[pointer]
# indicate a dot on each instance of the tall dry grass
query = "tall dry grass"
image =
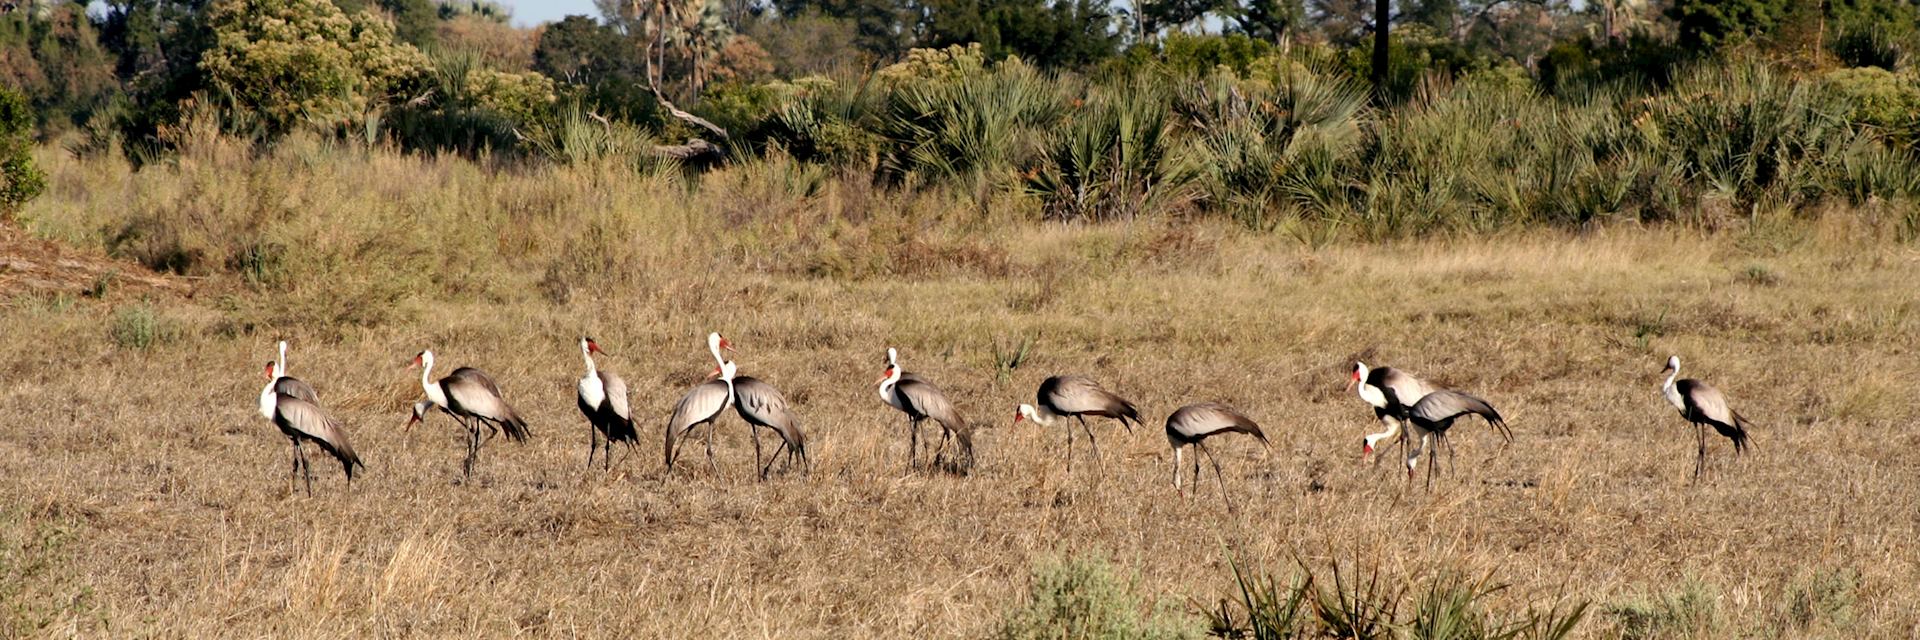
(179, 521)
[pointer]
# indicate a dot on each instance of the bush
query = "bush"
(1888, 102)
(20, 179)
(291, 62)
(1683, 613)
(139, 327)
(1337, 603)
(1082, 598)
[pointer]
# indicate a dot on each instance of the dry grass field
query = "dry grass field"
(145, 496)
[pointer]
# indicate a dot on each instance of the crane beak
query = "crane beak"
(412, 420)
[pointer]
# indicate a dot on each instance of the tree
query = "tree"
(1711, 24)
(415, 22)
(1067, 33)
(1382, 19)
(288, 62)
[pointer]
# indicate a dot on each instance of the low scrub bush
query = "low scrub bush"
(1083, 597)
(1345, 602)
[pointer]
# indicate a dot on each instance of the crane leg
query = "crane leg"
(1091, 441)
(711, 462)
(1176, 471)
(1070, 448)
(593, 444)
(1700, 457)
(913, 443)
(1217, 475)
(756, 451)
(294, 473)
(306, 470)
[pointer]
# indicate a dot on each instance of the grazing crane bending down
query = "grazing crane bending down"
(1077, 396)
(1703, 406)
(290, 385)
(702, 405)
(602, 398)
(1429, 419)
(1193, 424)
(920, 400)
(1391, 392)
(302, 420)
(472, 398)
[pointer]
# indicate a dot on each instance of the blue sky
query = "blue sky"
(527, 13)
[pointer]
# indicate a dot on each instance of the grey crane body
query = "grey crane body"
(701, 405)
(1429, 419)
(920, 400)
(1078, 397)
(763, 407)
(1704, 406)
(1192, 425)
(302, 421)
(474, 400)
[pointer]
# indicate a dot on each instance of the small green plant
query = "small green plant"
(1759, 275)
(139, 327)
(1007, 357)
(1082, 598)
(1274, 610)
(1823, 599)
(1645, 330)
(1448, 606)
(1687, 612)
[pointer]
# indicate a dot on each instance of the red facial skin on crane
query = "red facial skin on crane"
(884, 376)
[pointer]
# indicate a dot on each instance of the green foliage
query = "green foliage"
(1262, 146)
(971, 128)
(1339, 605)
(140, 327)
(827, 120)
(468, 107)
(1878, 98)
(1116, 159)
(1821, 600)
(1184, 54)
(600, 67)
(1687, 612)
(1747, 133)
(1055, 34)
(1717, 23)
(59, 61)
(1082, 597)
(20, 179)
(283, 63)
(37, 588)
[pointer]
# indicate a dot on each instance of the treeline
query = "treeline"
(1273, 112)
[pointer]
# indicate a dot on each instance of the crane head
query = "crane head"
(419, 359)
(1673, 364)
(419, 413)
(269, 373)
(884, 376)
(593, 347)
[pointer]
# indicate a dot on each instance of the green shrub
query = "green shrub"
(1888, 102)
(1688, 612)
(140, 327)
(20, 179)
(1115, 158)
(1342, 604)
(1082, 598)
(294, 62)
